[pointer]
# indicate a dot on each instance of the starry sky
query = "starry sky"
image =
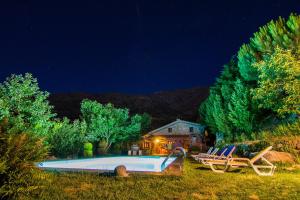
(134, 46)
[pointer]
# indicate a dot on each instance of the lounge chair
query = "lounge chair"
(245, 162)
(211, 151)
(223, 154)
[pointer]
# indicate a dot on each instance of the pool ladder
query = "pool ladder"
(170, 154)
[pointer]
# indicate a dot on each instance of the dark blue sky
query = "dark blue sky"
(136, 46)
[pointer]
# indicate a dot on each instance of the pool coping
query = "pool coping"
(174, 169)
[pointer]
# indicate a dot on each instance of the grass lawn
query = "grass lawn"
(197, 182)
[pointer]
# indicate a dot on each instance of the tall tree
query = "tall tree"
(221, 119)
(280, 33)
(206, 112)
(239, 110)
(24, 105)
(110, 124)
(246, 73)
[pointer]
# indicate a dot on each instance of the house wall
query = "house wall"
(180, 135)
(181, 128)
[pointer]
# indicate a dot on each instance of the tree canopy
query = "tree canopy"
(24, 105)
(259, 84)
(110, 124)
(279, 82)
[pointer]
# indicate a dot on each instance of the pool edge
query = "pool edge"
(174, 169)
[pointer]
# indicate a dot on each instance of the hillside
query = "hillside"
(164, 107)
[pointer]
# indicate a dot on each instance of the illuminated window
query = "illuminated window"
(146, 145)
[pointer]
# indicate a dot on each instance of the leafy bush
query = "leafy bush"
(18, 174)
(117, 148)
(258, 146)
(284, 137)
(242, 150)
(25, 106)
(67, 138)
(88, 150)
(101, 148)
(286, 129)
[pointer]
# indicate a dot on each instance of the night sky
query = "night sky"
(124, 46)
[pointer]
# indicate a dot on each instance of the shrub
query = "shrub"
(258, 146)
(242, 150)
(88, 150)
(117, 148)
(102, 147)
(67, 138)
(285, 137)
(18, 174)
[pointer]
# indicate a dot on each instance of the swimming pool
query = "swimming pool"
(132, 163)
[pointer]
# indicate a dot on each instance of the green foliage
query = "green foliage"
(246, 57)
(215, 110)
(284, 129)
(279, 33)
(67, 138)
(259, 86)
(242, 150)
(206, 111)
(285, 137)
(221, 118)
(101, 149)
(239, 112)
(18, 154)
(88, 146)
(259, 146)
(24, 106)
(105, 122)
(88, 150)
(117, 148)
(279, 82)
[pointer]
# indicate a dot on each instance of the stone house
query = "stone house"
(178, 133)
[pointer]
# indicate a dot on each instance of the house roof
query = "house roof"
(171, 124)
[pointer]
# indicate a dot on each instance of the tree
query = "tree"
(246, 57)
(215, 109)
(229, 110)
(279, 82)
(280, 33)
(206, 111)
(221, 119)
(24, 106)
(67, 137)
(107, 123)
(239, 109)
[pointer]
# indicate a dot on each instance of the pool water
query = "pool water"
(132, 163)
